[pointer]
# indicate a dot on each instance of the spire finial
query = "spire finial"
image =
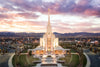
(48, 16)
(49, 25)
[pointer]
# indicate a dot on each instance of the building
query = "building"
(49, 47)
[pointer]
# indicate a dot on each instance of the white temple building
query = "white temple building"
(49, 46)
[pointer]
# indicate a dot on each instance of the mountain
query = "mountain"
(24, 34)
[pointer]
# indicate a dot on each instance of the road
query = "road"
(94, 58)
(4, 59)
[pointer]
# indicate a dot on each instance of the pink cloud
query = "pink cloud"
(3, 9)
(91, 12)
(83, 24)
(83, 2)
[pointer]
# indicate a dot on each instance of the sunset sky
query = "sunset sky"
(67, 16)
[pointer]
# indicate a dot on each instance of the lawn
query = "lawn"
(23, 60)
(71, 61)
(18, 60)
(75, 61)
(66, 59)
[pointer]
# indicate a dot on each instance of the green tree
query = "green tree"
(30, 53)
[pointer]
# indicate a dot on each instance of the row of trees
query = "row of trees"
(3, 51)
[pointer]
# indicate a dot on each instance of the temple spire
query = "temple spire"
(49, 25)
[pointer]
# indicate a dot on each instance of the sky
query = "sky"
(66, 16)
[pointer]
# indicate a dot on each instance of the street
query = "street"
(94, 58)
(4, 59)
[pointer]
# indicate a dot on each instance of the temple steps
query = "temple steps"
(49, 65)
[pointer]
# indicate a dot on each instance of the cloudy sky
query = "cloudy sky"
(66, 15)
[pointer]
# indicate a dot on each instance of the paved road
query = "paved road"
(94, 58)
(4, 59)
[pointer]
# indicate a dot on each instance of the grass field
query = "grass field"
(66, 59)
(71, 61)
(75, 61)
(23, 61)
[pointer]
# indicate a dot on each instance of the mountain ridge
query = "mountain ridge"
(32, 34)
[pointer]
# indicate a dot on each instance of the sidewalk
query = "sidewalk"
(10, 61)
(88, 60)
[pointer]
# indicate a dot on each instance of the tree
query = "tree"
(6, 50)
(30, 53)
(0, 50)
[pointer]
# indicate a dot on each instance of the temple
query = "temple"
(49, 46)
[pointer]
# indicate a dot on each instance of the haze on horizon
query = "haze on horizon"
(66, 15)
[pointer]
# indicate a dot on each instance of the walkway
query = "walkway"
(49, 62)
